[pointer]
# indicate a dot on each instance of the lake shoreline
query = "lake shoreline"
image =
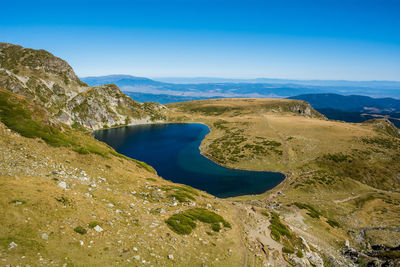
(262, 178)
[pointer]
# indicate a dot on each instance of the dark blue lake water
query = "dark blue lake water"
(173, 150)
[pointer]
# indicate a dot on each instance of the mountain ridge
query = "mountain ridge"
(200, 88)
(51, 82)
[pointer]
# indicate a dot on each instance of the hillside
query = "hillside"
(58, 184)
(70, 200)
(342, 179)
(50, 82)
(87, 184)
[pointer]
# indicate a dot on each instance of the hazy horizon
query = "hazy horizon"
(232, 78)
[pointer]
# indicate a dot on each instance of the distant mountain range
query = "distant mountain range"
(328, 97)
(195, 88)
(352, 103)
(191, 80)
(126, 80)
(353, 108)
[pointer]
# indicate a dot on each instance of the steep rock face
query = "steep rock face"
(50, 82)
(106, 106)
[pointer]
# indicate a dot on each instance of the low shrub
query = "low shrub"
(265, 213)
(333, 223)
(181, 224)
(93, 224)
(80, 230)
(287, 250)
(184, 222)
(312, 212)
(216, 227)
(277, 227)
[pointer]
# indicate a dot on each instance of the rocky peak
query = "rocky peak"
(384, 125)
(51, 82)
(40, 62)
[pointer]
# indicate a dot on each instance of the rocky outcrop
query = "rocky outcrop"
(50, 82)
(384, 125)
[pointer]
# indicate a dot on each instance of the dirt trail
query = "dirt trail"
(346, 199)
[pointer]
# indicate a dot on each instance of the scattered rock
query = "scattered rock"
(45, 236)
(137, 257)
(314, 259)
(98, 228)
(12, 245)
(63, 185)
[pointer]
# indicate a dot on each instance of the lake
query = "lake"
(173, 150)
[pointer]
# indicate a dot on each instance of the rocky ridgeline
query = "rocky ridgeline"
(50, 82)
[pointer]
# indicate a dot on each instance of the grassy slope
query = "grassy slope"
(307, 149)
(36, 155)
(345, 171)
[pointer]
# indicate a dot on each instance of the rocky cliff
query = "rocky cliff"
(50, 82)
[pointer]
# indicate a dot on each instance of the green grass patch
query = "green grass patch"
(216, 227)
(181, 193)
(338, 157)
(184, 222)
(312, 212)
(80, 230)
(181, 224)
(278, 229)
(143, 165)
(31, 121)
(287, 250)
(299, 254)
(265, 213)
(333, 223)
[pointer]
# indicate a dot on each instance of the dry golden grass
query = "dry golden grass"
(254, 134)
(327, 163)
(32, 204)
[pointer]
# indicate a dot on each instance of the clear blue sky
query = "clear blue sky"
(301, 39)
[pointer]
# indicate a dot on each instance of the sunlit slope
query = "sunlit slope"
(288, 135)
(59, 183)
(341, 193)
